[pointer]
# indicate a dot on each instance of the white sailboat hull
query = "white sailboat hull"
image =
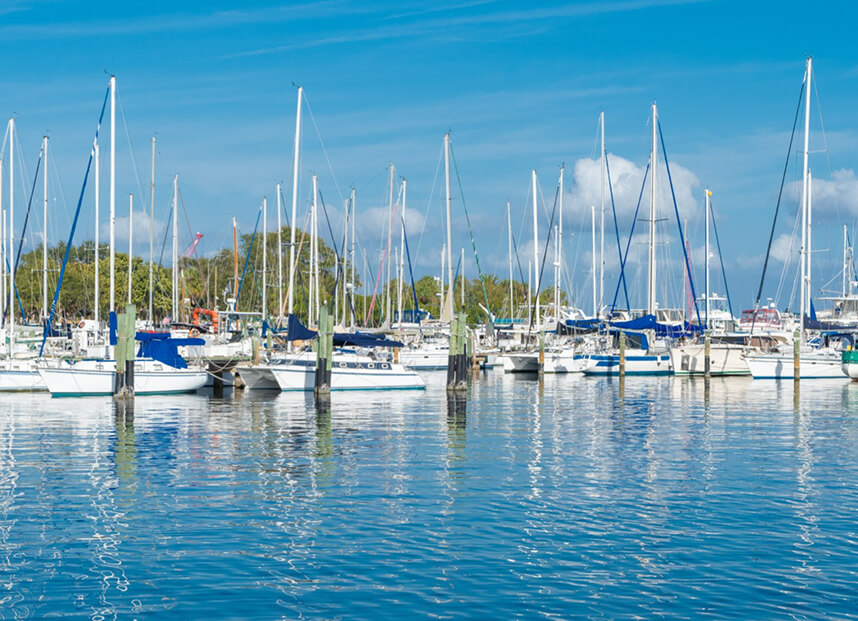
(565, 361)
(424, 360)
(87, 379)
(780, 366)
(723, 360)
(637, 363)
(299, 375)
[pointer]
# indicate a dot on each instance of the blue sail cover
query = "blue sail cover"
(648, 322)
(161, 347)
(297, 331)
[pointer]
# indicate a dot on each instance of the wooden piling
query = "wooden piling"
(796, 357)
(707, 341)
(622, 354)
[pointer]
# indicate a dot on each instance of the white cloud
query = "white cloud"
(784, 248)
(626, 179)
(834, 198)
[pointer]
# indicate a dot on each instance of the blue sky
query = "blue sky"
(519, 86)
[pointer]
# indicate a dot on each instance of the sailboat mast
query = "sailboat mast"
(152, 240)
(279, 254)
(11, 235)
(442, 305)
(650, 305)
(354, 207)
(804, 194)
(234, 264)
(558, 254)
(264, 258)
(130, 242)
(96, 259)
(45, 229)
(706, 261)
(595, 290)
(809, 288)
(389, 246)
(602, 225)
(509, 247)
(463, 279)
(112, 191)
(845, 260)
(316, 245)
(447, 314)
(401, 255)
(535, 247)
(175, 253)
(290, 293)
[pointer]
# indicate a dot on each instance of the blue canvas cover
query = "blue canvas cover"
(161, 347)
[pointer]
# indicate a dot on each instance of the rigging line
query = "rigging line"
(471, 232)
(187, 219)
(679, 224)
(338, 272)
(542, 266)
(50, 320)
(247, 259)
(322, 144)
(429, 202)
(21, 241)
(617, 231)
(777, 207)
(625, 256)
(131, 151)
(825, 139)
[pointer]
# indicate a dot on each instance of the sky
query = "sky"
(519, 87)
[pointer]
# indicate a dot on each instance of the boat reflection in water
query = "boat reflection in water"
(651, 496)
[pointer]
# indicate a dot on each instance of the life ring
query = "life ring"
(212, 315)
(81, 325)
(194, 333)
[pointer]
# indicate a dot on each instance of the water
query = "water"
(580, 497)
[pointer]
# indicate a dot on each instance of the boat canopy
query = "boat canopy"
(296, 331)
(161, 347)
(647, 322)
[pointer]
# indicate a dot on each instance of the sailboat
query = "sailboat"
(647, 355)
(824, 360)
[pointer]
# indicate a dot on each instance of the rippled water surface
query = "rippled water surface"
(578, 497)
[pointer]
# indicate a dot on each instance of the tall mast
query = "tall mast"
(264, 258)
(509, 247)
(809, 288)
(650, 303)
(442, 304)
(11, 235)
(345, 263)
(804, 194)
(112, 191)
(316, 243)
(354, 208)
(401, 255)
(389, 247)
(447, 313)
(45, 230)
(595, 290)
(602, 225)
(706, 261)
(463, 279)
(234, 264)
(845, 260)
(175, 254)
(152, 240)
(130, 242)
(279, 255)
(290, 293)
(558, 254)
(96, 191)
(535, 247)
